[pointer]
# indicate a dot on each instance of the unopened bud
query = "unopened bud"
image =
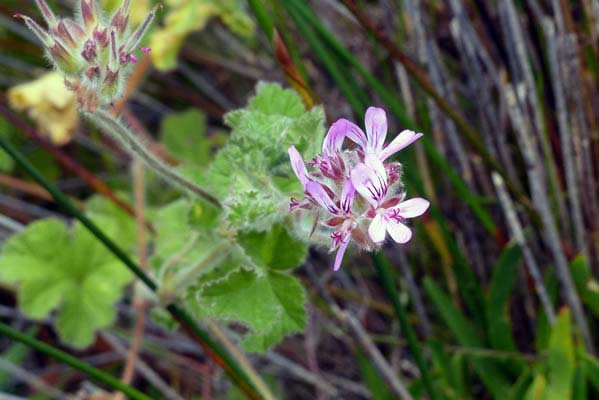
(89, 50)
(89, 14)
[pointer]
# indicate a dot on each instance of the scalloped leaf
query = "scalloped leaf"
(275, 249)
(251, 174)
(271, 305)
(68, 270)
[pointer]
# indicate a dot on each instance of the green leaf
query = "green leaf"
(184, 136)
(536, 391)
(251, 174)
(271, 305)
(114, 221)
(6, 161)
(504, 277)
(451, 372)
(68, 270)
(580, 389)
(274, 249)
(520, 387)
(591, 366)
(375, 383)
(466, 335)
(586, 284)
(185, 16)
(560, 359)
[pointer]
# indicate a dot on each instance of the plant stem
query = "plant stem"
(74, 362)
(113, 127)
(215, 351)
(384, 274)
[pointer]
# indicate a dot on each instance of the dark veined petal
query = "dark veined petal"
(369, 183)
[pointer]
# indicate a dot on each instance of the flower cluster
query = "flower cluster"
(94, 51)
(360, 193)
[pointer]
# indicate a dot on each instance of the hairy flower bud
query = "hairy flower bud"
(94, 55)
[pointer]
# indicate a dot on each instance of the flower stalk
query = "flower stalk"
(111, 125)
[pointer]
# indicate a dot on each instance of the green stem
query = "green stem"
(382, 269)
(74, 362)
(219, 354)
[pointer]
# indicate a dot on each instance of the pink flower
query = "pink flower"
(341, 173)
(390, 220)
(376, 132)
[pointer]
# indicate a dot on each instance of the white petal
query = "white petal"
(368, 183)
(404, 139)
(317, 192)
(377, 229)
(412, 208)
(297, 163)
(340, 253)
(376, 128)
(399, 232)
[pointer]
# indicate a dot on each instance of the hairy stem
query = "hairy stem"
(187, 323)
(117, 130)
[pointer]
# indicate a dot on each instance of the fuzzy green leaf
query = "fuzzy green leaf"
(183, 135)
(270, 304)
(68, 270)
(275, 249)
(251, 174)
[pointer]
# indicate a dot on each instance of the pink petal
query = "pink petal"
(334, 138)
(377, 229)
(376, 128)
(297, 163)
(399, 232)
(348, 193)
(369, 183)
(340, 253)
(412, 208)
(354, 133)
(403, 139)
(319, 194)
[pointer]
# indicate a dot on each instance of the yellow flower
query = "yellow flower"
(49, 103)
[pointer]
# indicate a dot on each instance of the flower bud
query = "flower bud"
(91, 52)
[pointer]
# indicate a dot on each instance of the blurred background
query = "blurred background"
(500, 281)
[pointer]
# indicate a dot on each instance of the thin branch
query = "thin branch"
(374, 353)
(529, 259)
